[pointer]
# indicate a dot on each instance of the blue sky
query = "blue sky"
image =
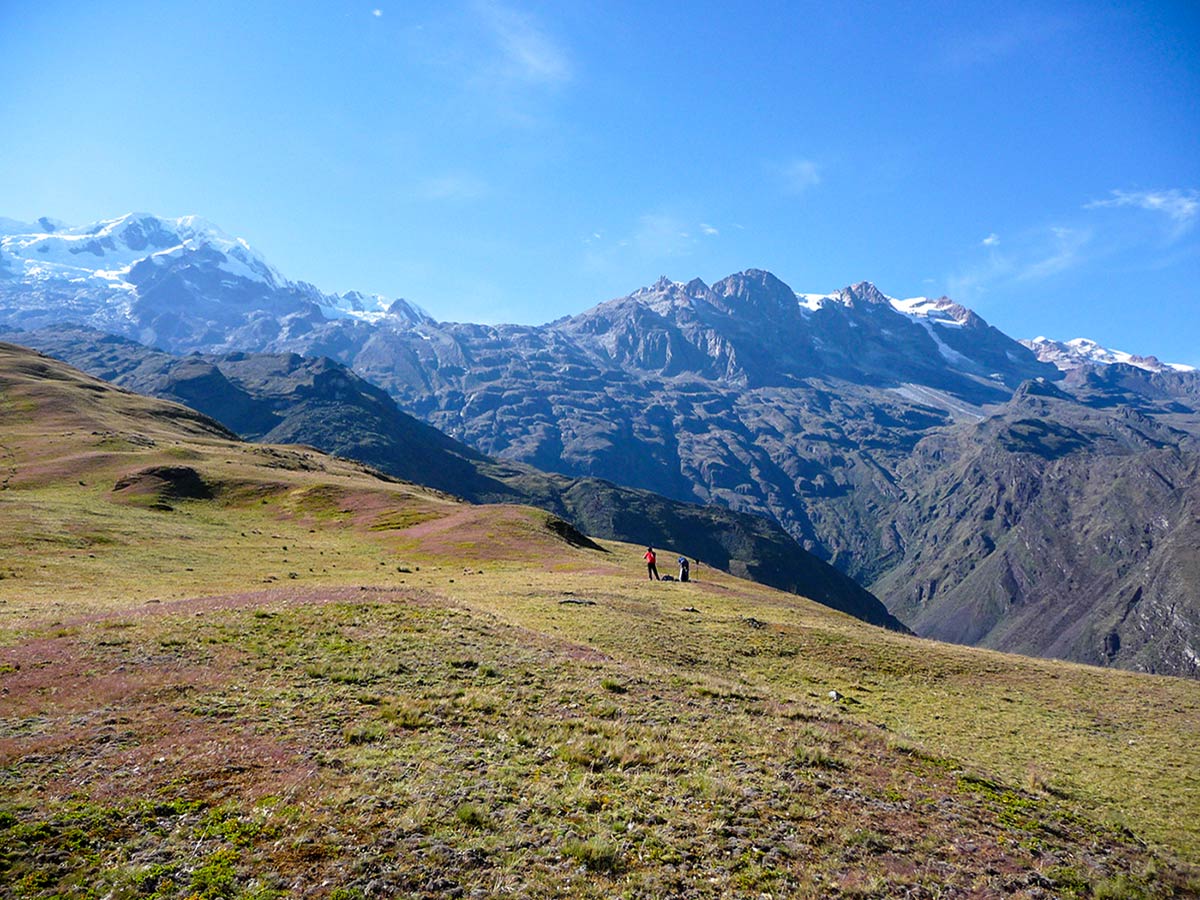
(518, 161)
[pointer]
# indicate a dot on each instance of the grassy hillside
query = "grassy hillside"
(284, 398)
(231, 670)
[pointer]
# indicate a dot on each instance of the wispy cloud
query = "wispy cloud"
(377, 13)
(1180, 207)
(1142, 230)
(656, 237)
(996, 41)
(1060, 249)
(1036, 254)
(798, 175)
(661, 235)
(527, 53)
(491, 62)
(457, 186)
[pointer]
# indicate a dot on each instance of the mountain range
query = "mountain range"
(1036, 497)
(234, 669)
(287, 398)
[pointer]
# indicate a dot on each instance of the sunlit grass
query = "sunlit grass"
(319, 683)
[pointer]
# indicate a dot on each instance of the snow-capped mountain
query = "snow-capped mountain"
(907, 441)
(182, 283)
(105, 253)
(1068, 355)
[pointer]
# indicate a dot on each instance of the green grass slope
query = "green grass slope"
(243, 671)
(285, 398)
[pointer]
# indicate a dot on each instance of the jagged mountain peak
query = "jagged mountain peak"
(757, 292)
(373, 308)
(663, 287)
(1080, 352)
(1037, 388)
(105, 252)
(862, 293)
(180, 281)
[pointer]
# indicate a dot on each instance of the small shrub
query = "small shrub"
(215, 878)
(613, 686)
(815, 758)
(356, 735)
(595, 854)
(605, 710)
(868, 839)
(411, 714)
(1120, 888)
(472, 816)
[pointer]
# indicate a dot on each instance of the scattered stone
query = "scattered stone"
(834, 696)
(576, 602)
(690, 609)
(754, 623)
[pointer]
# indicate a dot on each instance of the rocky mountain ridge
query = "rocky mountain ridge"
(1082, 353)
(286, 398)
(868, 427)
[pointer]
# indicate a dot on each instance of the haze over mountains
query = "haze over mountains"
(1035, 497)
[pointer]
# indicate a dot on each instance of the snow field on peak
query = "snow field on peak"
(103, 254)
(813, 302)
(1068, 354)
(108, 249)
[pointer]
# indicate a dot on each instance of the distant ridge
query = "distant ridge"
(285, 398)
(1073, 354)
(907, 442)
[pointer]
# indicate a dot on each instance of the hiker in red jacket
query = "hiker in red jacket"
(651, 568)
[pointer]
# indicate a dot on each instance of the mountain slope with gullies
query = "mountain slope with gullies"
(868, 464)
(285, 398)
(251, 670)
(824, 412)
(1059, 525)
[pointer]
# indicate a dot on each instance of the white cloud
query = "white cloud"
(528, 54)
(1033, 255)
(1120, 240)
(1181, 207)
(709, 230)
(377, 13)
(799, 175)
(1062, 251)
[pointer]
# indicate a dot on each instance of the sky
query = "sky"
(515, 161)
